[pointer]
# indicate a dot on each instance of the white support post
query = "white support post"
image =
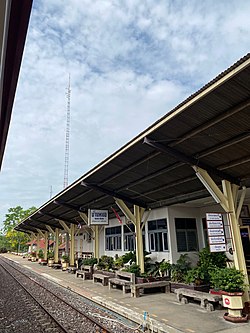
(72, 245)
(56, 251)
(45, 245)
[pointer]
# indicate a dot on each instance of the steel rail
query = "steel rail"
(104, 329)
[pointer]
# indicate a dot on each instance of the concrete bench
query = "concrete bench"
(123, 279)
(138, 288)
(86, 272)
(57, 266)
(71, 270)
(207, 300)
(104, 279)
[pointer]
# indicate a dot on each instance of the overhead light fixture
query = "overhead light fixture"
(210, 190)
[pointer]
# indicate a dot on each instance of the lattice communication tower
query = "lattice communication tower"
(66, 158)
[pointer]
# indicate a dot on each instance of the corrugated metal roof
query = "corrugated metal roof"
(209, 129)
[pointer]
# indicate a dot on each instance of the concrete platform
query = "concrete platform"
(165, 313)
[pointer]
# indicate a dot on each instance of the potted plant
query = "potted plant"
(65, 262)
(230, 283)
(40, 256)
(33, 256)
(50, 258)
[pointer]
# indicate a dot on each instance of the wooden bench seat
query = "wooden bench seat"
(86, 272)
(57, 266)
(71, 270)
(138, 288)
(104, 279)
(123, 279)
(206, 300)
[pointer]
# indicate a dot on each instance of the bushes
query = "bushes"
(227, 279)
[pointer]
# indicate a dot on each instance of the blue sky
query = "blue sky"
(130, 62)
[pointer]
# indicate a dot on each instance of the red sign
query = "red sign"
(227, 301)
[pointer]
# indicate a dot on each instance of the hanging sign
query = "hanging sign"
(217, 247)
(98, 217)
(215, 230)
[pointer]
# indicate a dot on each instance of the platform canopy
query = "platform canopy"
(14, 20)
(210, 129)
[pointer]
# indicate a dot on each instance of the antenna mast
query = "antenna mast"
(66, 158)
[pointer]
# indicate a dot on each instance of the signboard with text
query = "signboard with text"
(98, 217)
(216, 234)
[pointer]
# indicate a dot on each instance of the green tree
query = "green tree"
(16, 240)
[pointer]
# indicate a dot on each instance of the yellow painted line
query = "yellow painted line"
(136, 308)
(153, 315)
(128, 304)
(121, 302)
(166, 320)
(189, 330)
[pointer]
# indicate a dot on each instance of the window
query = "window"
(186, 234)
(158, 236)
(113, 238)
(129, 237)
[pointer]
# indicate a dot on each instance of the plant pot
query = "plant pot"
(65, 265)
(50, 262)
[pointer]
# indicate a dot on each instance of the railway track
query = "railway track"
(62, 311)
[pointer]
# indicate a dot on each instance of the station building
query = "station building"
(158, 188)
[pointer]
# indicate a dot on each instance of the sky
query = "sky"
(130, 62)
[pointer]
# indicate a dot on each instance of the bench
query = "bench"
(86, 272)
(57, 266)
(123, 279)
(43, 262)
(71, 270)
(204, 298)
(104, 279)
(138, 288)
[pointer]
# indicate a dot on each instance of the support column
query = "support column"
(228, 201)
(37, 244)
(46, 245)
(96, 248)
(56, 251)
(72, 245)
(138, 239)
(238, 253)
(136, 219)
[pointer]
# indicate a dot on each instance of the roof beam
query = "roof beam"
(212, 122)
(56, 217)
(70, 206)
(114, 194)
(190, 160)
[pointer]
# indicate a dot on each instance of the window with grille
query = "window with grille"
(158, 235)
(186, 234)
(113, 238)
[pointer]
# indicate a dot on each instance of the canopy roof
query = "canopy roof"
(14, 19)
(210, 129)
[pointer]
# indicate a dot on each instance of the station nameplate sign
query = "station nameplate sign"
(215, 232)
(98, 217)
(217, 247)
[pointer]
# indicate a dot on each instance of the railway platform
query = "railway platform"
(164, 313)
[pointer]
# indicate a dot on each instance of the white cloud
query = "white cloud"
(130, 63)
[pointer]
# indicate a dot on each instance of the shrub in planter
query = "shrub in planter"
(165, 268)
(229, 280)
(65, 258)
(40, 254)
(133, 269)
(179, 270)
(51, 255)
(89, 261)
(105, 263)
